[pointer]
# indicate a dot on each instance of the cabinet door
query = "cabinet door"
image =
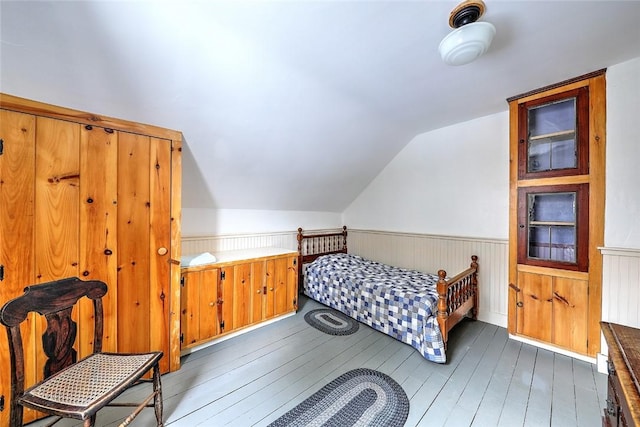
(242, 296)
(534, 306)
(292, 283)
(190, 308)
(554, 135)
(208, 300)
(570, 309)
(258, 292)
(227, 299)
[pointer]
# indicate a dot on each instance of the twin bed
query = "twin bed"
(416, 308)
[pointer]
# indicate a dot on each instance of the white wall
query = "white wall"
(450, 181)
(622, 209)
(211, 222)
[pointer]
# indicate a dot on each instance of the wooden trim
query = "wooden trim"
(577, 179)
(14, 103)
(580, 80)
(555, 272)
(513, 216)
(597, 184)
(175, 252)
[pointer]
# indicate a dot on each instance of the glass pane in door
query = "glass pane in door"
(552, 136)
(552, 226)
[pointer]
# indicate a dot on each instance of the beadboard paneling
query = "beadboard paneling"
(213, 244)
(453, 254)
(417, 251)
(621, 286)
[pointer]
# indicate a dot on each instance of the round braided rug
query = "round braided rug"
(331, 321)
(361, 397)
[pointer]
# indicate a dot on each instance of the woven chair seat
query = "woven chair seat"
(81, 389)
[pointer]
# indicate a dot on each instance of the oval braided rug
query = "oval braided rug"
(331, 321)
(362, 397)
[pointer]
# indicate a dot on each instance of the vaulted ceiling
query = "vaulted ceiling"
(295, 105)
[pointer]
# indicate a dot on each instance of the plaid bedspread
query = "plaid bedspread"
(401, 303)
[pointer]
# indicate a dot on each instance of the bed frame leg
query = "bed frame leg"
(443, 313)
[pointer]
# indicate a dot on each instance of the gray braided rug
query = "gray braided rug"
(362, 397)
(331, 321)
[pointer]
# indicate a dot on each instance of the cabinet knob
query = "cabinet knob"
(211, 304)
(271, 289)
(162, 251)
(519, 303)
(258, 291)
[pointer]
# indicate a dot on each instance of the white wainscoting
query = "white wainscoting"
(621, 286)
(419, 251)
(452, 254)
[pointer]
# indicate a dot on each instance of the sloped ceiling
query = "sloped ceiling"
(295, 105)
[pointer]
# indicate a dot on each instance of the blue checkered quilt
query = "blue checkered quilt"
(401, 303)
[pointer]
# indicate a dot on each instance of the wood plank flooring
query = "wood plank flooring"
(488, 380)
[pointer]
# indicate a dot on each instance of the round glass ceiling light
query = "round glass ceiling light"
(469, 39)
(467, 43)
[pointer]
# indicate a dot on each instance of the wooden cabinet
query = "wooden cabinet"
(243, 288)
(557, 172)
(623, 388)
(97, 198)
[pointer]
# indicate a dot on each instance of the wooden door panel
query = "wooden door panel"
(257, 292)
(208, 301)
(190, 308)
(534, 306)
(270, 282)
(159, 168)
(98, 229)
(241, 295)
(133, 243)
(17, 170)
(570, 320)
(292, 283)
(57, 199)
(280, 286)
(227, 299)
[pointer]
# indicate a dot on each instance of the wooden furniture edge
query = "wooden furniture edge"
(22, 105)
(623, 375)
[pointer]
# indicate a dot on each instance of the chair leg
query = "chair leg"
(157, 400)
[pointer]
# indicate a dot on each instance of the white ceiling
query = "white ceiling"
(295, 105)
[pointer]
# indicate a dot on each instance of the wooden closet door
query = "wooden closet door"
(17, 191)
(98, 225)
(144, 244)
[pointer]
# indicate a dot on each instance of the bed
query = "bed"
(417, 308)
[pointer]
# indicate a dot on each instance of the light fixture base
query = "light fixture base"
(466, 12)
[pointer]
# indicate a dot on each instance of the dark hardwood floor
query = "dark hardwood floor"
(488, 380)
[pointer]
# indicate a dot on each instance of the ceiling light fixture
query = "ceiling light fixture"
(469, 39)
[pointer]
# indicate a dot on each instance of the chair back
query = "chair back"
(55, 301)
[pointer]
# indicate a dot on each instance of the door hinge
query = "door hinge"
(222, 326)
(1, 273)
(181, 338)
(1, 147)
(222, 275)
(182, 281)
(2, 403)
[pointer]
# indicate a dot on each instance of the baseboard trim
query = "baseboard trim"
(554, 349)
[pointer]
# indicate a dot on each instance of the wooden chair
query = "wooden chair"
(71, 388)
